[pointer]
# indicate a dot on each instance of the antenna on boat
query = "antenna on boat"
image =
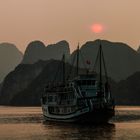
(77, 66)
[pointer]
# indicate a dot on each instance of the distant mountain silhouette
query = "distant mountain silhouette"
(10, 57)
(121, 60)
(36, 50)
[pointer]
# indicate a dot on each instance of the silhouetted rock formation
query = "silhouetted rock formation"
(10, 57)
(138, 50)
(34, 52)
(37, 51)
(121, 60)
(18, 80)
(127, 92)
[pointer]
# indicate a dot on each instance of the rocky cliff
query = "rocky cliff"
(36, 50)
(10, 57)
(18, 80)
(127, 92)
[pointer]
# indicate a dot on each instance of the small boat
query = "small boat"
(86, 98)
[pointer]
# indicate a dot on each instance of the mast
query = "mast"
(106, 75)
(64, 73)
(100, 58)
(77, 65)
(102, 61)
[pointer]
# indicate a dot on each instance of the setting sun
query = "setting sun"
(97, 28)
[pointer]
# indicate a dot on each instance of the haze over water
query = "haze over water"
(26, 123)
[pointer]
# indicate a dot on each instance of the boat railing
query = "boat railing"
(66, 102)
(59, 92)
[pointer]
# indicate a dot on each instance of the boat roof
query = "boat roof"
(85, 77)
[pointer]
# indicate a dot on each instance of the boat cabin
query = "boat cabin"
(87, 85)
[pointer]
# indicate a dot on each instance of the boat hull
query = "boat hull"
(96, 117)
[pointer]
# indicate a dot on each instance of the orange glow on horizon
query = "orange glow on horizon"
(97, 28)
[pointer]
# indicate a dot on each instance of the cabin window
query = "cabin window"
(63, 97)
(73, 109)
(51, 109)
(65, 110)
(55, 98)
(82, 82)
(71, 96)
(50, 99)
(93, 82)
(88, 82)
(69, 110)
(57, 110)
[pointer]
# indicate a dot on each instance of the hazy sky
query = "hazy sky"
(50, 21)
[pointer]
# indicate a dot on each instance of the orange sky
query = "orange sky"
(22, 21)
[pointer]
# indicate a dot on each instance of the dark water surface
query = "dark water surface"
(26, 123)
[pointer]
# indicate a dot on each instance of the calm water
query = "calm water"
(18, 123)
